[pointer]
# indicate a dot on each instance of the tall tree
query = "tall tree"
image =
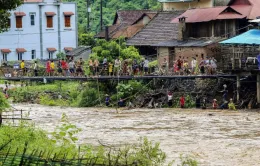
(5, 7)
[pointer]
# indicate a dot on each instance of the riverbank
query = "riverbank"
(213, 137)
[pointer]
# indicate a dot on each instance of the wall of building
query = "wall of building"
(29, 38)
(163, 52)
(187, 5)
(188, 53)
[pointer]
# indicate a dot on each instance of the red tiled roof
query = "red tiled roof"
(230, 15)
(68, 13)
(20, 50)
(50, 13)
(5, 50)
(19, 14)
(251, 10)
(51, 49)
(68, 48)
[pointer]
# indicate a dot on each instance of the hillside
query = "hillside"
(109, 9)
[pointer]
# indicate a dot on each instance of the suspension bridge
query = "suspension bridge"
(105, 78)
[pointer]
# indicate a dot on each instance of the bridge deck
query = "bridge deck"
(104, 78)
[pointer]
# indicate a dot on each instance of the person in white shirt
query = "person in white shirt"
(117, 66)
(194, 63)
(146, 66)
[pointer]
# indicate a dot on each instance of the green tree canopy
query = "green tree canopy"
(5, 7)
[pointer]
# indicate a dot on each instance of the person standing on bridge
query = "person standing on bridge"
(146, 66)
(52, 65)
(35, 69)
(22, 66)
(110, 68)
(117, 66)
(165, 66)
(194, 64)
(202, 66)
(96, 67)
(48, 68)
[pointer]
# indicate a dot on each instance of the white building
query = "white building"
(39, 29)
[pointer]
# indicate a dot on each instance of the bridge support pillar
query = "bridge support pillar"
(258, 88)
(238, 87)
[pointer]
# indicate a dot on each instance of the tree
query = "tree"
(3, 106)
(5, 7)
(87, 39)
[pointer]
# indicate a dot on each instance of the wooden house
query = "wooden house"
(127, 23)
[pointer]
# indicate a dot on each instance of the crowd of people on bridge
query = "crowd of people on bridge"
(117, 67)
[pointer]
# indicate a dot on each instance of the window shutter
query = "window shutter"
(49, 22)
(19, 23)
(67, 21)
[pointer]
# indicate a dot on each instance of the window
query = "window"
(4, 57)
(32, 16)
(67, 21)
(49, 22)
(33, 54)
(50, 55)
(9, 23)
(19, 22)
(20, 56)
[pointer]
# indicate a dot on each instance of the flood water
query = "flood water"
(214, 138)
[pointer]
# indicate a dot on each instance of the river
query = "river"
(213, 137)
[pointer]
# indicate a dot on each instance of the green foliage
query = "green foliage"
(114, 49)
(87, 39)
(88, 98)
(3, 103)
(61, 55)
(5, 7)
(153, 64)
(129, 90)
(188, 161)
(109, 9)
(65, 133)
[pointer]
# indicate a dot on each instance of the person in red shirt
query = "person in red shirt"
(182, 101)
(48, 67)
(64, 67)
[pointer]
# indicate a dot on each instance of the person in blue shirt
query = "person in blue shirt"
(107, 100)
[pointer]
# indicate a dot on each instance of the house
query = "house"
(200, 30)
(39, 29)
(168, 5)
(127, 23)
(236, 50)
(159, 29)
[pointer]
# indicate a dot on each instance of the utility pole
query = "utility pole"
(88, 12)
(101, 15)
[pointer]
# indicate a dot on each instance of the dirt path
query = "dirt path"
(212, 137)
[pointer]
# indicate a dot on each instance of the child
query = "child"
(214, 104)
(182, 101)
(110, 68)
(48, 68)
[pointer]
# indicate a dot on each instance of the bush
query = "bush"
(88, 98)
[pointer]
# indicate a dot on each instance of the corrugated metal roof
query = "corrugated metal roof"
(187, 43)
(250, 37)
(201, 15)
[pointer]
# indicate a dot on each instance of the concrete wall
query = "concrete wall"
(163, 52)
(167, 6)
(29, 36)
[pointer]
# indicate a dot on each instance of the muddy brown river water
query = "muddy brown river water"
(213, 137)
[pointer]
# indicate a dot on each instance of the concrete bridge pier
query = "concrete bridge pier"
(258, 88)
